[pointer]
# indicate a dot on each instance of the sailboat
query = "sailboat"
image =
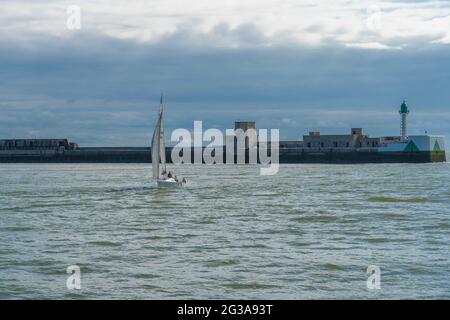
(164, 179)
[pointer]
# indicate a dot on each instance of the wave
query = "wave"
(330, 266)
(220, 263)
(252, 285)
(104, 243)
(315, 218)
(392, 200)
(16, 229)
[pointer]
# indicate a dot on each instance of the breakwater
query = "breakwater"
(291, 155)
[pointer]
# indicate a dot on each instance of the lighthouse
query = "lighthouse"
(404, 111)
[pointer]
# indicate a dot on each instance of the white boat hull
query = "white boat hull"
(168, 184)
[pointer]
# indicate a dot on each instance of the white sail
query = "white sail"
(162, 145)
(156, 147)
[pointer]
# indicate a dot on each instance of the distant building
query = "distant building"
(36, 146)
(355, 140)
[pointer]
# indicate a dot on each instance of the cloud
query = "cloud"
(372, 45)
(101, 90)
(291, 21)
(295, 65)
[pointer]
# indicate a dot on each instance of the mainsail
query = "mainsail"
(155, 148)
(162, 145)
(158, 145)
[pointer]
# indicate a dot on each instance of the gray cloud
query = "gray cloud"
(100, 90)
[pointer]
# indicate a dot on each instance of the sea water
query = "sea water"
(309, 232)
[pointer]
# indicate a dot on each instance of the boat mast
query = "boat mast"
(162, 144)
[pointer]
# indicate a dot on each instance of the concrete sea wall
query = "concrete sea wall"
(143, 155)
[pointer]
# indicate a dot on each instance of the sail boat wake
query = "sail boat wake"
(163, 178)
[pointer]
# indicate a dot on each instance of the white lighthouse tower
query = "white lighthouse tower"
(404, 111)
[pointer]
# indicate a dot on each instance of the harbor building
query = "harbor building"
(356, 139)
(36, 146)
(357, 146)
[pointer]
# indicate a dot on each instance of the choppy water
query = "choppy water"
(309, 232)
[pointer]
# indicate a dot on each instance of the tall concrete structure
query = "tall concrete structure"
(404, 111)
(250, 139)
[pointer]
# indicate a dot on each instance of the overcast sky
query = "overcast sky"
(296, 65)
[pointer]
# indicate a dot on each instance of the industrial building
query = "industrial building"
(356, 139)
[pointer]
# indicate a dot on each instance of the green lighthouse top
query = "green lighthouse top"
(404, 107)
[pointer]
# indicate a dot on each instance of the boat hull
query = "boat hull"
(168, 184)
